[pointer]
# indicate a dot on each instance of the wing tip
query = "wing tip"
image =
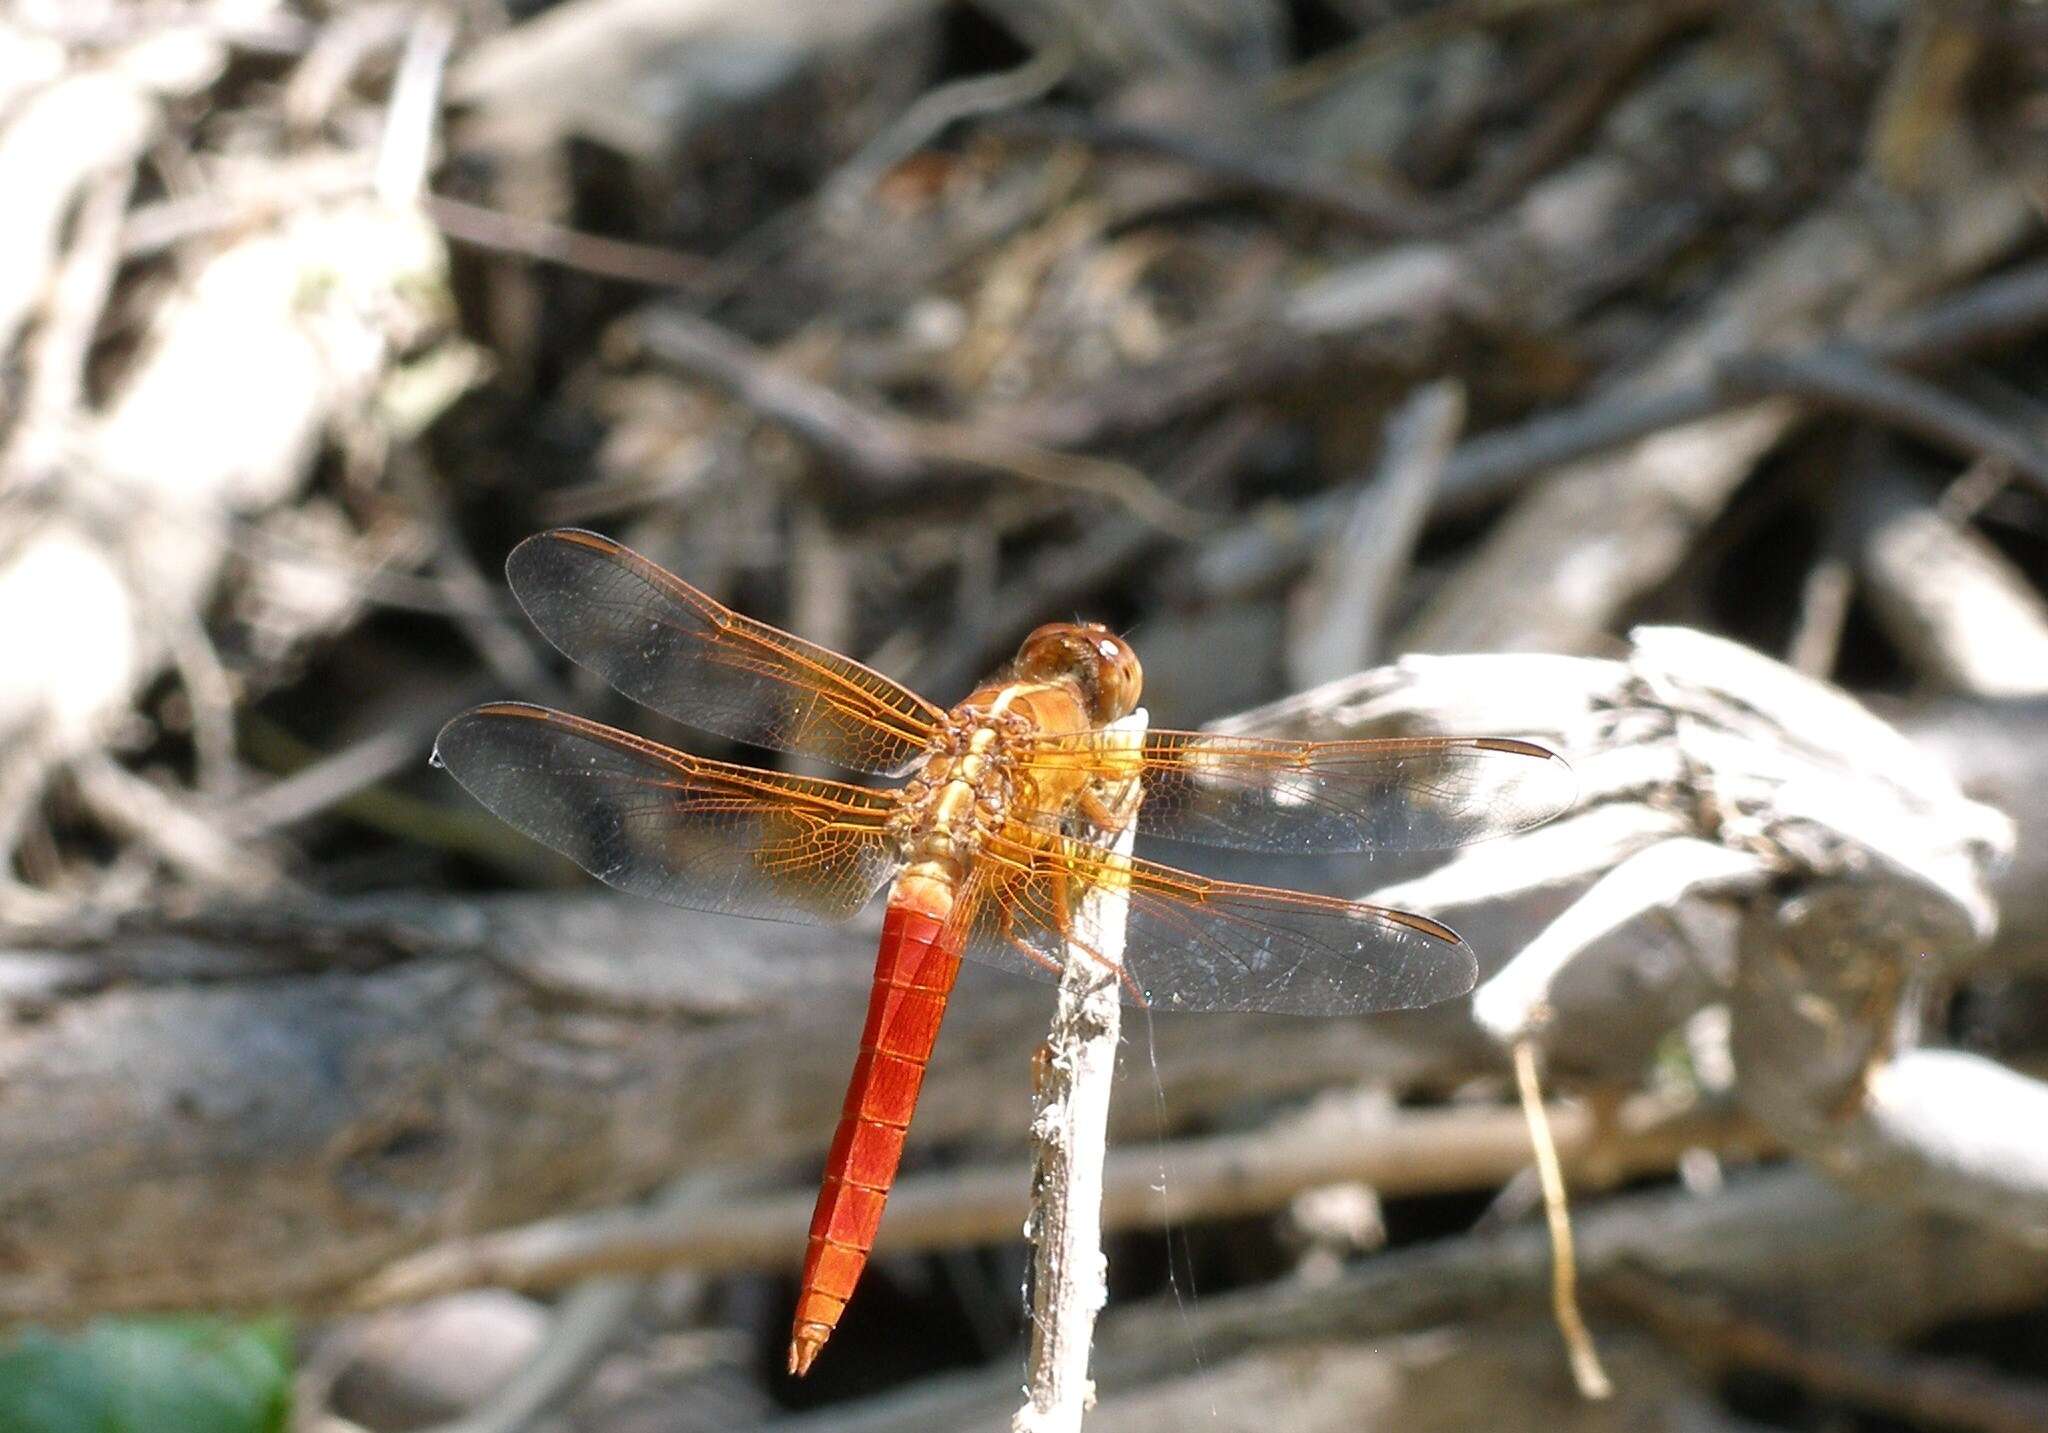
(528, 710)
(1560, 789)
(1468, 975)
(536, 547)
(574, 536)
(1444, 983)
(1434, 929)
(538, 601)
(456, 726)
(1452, 971)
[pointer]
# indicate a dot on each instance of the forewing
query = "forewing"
(1306, 798)
(1192, 943)
(704, 834)
(669, 647)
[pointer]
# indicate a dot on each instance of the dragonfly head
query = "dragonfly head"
(1099, 664)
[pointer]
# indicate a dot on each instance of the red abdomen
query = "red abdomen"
(914, 974)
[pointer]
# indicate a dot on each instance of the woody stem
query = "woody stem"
(1070, 1133)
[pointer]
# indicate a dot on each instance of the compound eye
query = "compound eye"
(1118, 676)
(1050, 652)
(1100, 664)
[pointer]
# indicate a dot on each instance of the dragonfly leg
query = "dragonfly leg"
(1037, 957)
(1109, 806)
(1063, 913)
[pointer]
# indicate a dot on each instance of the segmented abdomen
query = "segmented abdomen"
(914, 974)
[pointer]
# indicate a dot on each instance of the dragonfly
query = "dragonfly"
(988, 842)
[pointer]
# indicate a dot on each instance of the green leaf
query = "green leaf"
(168, 1375)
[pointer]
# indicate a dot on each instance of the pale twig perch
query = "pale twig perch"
(1587, 1373)
(1071, 1132)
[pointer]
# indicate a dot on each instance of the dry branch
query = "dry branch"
(1847, 380)
(1341, 612)
(1070, 1139)
(1488, 467)
(1961, 611)
(1824, 874)
(396, 1071)
(1785, 1240)
(1412, 1152)
(126, 480)
(1946, 1392)
(1632, 516)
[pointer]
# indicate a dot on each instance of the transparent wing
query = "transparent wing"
(1196, 944)
(1306, 797)
(661, 823)
(669, 647)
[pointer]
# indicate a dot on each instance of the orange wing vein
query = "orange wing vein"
(669, 647)
(1193, 943)
(1305, 798)
(657, 822)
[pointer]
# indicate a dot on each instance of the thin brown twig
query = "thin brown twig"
(339, 50)
(210, 697)
(1491, 466)
(1825, 593)
(936, 111)
(1384, 41)
(886, 453)
(1996, 311)
(1415, 1152)
(965, 445)
(178, 834)
(1061, 577)
(864, 445)
(1643, 34)
(620, 259)
(332, 779)
(1564, 1286)
(1842, 378)
(251, 201)
(1824, 598)
(1914, 1387)
(1264, 172)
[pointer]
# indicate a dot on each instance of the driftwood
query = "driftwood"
(1998, 753)
(1964, 612)
(1811, 861)
(398, 1071)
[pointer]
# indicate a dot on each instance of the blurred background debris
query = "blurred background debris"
(1659, 380)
